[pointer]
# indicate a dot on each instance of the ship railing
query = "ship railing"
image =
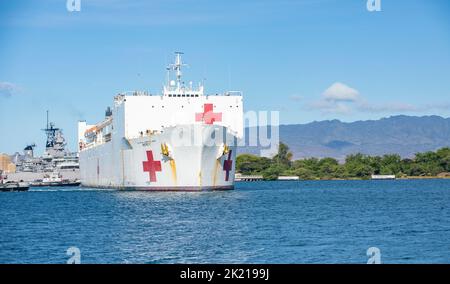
(90, 145)
(233, 93)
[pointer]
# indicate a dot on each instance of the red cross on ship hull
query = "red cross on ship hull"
(227, 166)
(151, 166)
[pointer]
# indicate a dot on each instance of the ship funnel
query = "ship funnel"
(108, 112)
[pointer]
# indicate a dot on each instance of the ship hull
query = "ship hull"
(193, 157)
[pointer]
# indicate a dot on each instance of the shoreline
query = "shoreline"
(359, 179)
(400, 178)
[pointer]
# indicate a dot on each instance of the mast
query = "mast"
(177, 87)
(50, 132)
(177, 68)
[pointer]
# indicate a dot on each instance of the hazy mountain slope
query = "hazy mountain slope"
(405, 135)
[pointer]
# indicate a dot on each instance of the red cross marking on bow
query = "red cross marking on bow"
(227, 165)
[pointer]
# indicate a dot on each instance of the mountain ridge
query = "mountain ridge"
(400, 134)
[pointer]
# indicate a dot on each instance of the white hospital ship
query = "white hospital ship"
(179, 140)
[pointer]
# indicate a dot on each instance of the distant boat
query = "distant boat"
(60, 184)
(14, 186)
(55, 179)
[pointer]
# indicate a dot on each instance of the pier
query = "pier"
(285, 178)
(383, 177)
(240, 177)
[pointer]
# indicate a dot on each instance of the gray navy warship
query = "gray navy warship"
(57, 166)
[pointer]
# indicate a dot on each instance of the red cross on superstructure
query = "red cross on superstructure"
(208, 115)
(151, 166)
(227, 166)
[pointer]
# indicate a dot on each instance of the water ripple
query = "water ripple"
(259, 222)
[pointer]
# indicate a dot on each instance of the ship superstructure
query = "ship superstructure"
(55, 158)
(179, 140)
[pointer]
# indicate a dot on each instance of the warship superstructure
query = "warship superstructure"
(56, 157)
(181, 139)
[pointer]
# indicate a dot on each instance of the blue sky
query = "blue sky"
(311, 60)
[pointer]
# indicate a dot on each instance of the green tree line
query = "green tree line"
(355, 166)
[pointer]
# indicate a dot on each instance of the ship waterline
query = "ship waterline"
(164, 161)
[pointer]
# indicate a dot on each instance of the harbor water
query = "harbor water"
(258, 222)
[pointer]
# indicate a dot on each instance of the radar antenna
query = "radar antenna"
(177, 88)
(177, 67)
(50, 131)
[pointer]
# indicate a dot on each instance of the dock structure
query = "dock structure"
(240, 177)
(383, 177)
(288, 178)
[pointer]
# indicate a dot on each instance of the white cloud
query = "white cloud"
(8, 89)
(340, 92)
(338, 98)
(342, 99)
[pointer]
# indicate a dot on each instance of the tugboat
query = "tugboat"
(55, 179)
(12, 186)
